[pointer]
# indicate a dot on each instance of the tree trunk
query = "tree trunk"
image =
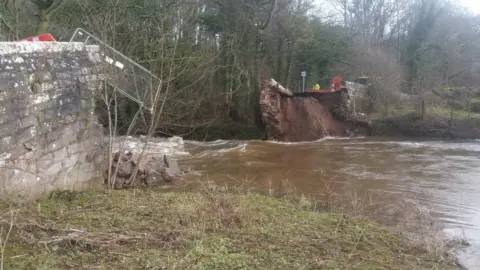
(43, 22)
(423, 109)
(280, 59)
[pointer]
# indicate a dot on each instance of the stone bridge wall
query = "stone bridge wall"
(49, 136)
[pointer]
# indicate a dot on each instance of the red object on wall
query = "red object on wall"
(336, 82)
(42, 37)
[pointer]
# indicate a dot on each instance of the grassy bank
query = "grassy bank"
(438, 123)
(196, 230)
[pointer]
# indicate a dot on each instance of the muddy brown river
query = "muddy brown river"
(449, 172)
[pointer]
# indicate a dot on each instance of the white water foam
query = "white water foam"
(212, 143)
(218, 152)
(328, 138)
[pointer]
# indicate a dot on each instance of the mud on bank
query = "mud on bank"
(200, 230)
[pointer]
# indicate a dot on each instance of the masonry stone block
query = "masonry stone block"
(60, 154)
(62, 180)
(45, 162)
(71, 161)
(28, 121)
(55, 145)
(73, 148)
(8, 127)
(26, 134)
(45, 127)
(16, 151)
(55, 169)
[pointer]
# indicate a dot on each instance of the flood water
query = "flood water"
(448, 171)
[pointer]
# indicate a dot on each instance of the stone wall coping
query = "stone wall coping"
(20, 47)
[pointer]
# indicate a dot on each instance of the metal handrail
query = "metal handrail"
(111, 48)
(80, 31)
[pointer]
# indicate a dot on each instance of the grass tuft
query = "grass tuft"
(197, 230)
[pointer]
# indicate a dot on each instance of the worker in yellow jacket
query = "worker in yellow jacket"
(316, 87)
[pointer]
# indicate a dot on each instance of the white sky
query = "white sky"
(472, 5)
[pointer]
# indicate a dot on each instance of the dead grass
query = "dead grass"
(387, 209)
(197, 230)
(391, 210)
(405, 216)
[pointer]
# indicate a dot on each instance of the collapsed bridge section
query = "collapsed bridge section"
(308, 116)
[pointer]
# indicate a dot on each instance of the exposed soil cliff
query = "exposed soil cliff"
(307, 116)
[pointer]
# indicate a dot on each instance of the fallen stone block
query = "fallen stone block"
(132, 170)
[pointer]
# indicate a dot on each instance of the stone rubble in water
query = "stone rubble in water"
(149, 171)
(171, 165)
(156, 167)
(173, 147)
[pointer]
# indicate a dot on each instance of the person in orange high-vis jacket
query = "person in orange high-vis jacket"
(336, 83)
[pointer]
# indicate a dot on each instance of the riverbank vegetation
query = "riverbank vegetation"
(436, 122)
(145, 229)
(209, 56)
